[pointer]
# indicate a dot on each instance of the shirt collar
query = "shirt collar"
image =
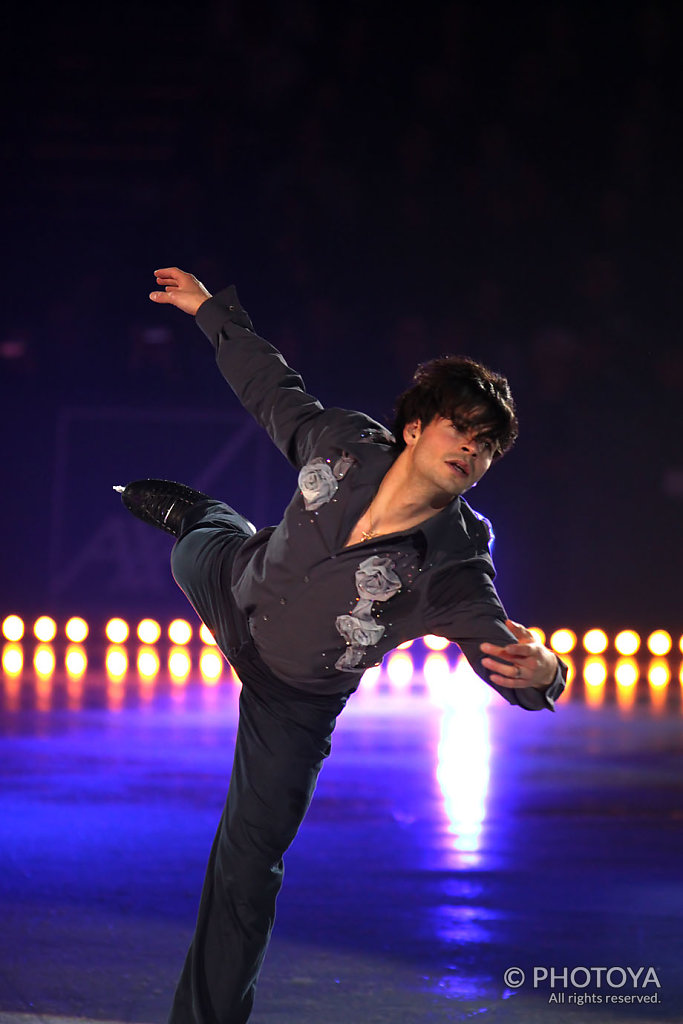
(454, 531)
(446, 531)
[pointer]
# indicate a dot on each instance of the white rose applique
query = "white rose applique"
(375, 581)
(317, 483)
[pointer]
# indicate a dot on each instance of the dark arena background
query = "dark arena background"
(384, 183)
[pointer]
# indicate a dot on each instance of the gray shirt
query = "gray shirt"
(321, 613)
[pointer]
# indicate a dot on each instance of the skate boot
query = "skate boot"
(161, 503)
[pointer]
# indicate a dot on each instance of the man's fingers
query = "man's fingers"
(505, 668)
(171, 277)
(520, 632)
(520, 674)
(510, 683)
(170, 272)
(181, 290)
(513, 651)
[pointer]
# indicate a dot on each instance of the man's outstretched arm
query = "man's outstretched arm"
(270, 390)
(258, 374)
(466, 609)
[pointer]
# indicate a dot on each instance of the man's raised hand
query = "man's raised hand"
(180, 289)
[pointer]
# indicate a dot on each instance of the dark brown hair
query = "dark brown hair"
(464, 391)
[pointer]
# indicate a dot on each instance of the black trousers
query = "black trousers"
(283, 737)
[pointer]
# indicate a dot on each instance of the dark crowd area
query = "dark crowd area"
(384, 183)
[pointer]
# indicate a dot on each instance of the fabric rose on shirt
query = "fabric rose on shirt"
(316, 483)
(376, 579)
(359, 630)
(350, 659)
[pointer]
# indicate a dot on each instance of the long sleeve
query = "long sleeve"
(465, 608)
(270, 390)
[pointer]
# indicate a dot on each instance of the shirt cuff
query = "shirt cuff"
(556, 688)
(222, 308)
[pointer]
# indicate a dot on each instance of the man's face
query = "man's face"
(446, 459)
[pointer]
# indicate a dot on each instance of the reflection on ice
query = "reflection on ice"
(464, 754)
(465, 925)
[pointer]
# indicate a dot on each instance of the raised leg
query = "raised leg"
(201, 562)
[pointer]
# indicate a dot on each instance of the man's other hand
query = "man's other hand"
(180, 289)
(526, 663)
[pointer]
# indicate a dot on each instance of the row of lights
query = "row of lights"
(148, 663)
(627, 642)
(627, 672)
(117, 631)
(563, 641)
(400, 667)
(399, 670)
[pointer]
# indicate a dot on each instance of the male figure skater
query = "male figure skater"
(377, 546)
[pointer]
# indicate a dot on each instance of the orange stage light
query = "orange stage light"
(627, 642)
(12, 659)
(595, 641)
(76, 630)
(659, 673)
(626, 673)
(400, 670)
(206, 636)
(180, 632)
(435, 643)
(13, 628)
(595, 671)
(179, 664)
(148, 662)
(44, 660)
(45, 629)
(659, 643)
(563, 641)
(75, 661)
(117, 631)
(210, 666)
(148, 631)
(116, 662)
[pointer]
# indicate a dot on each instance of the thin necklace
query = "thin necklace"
(369, 534)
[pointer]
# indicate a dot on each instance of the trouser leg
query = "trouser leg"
(201, 562)
(281, 744)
